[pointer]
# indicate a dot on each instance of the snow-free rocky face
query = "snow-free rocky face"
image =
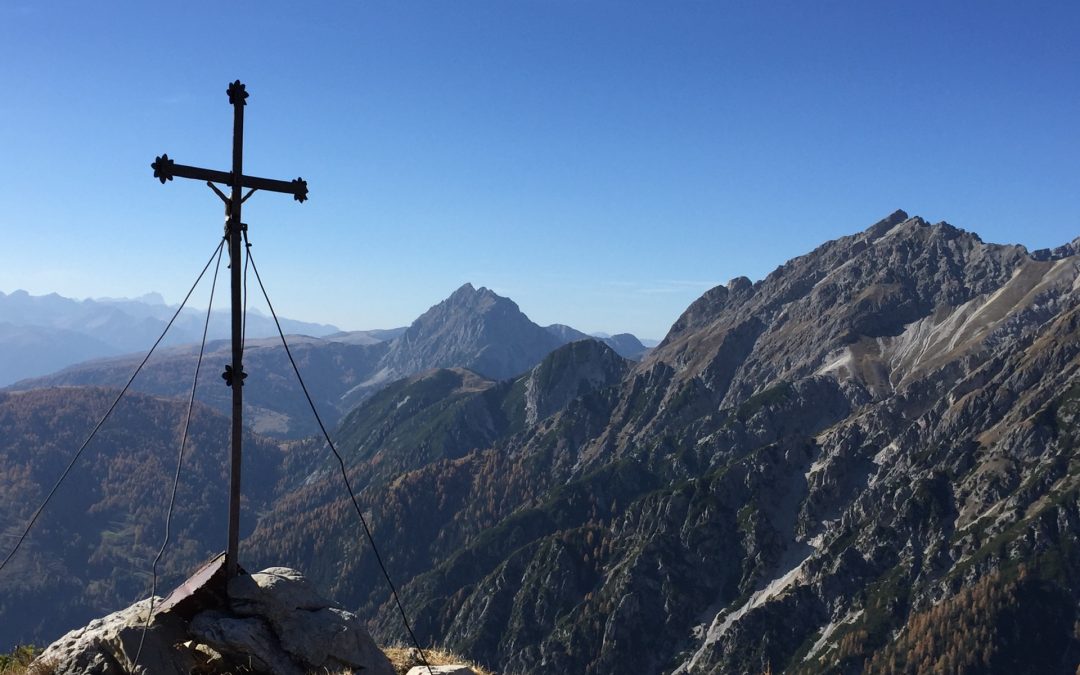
(803, 469)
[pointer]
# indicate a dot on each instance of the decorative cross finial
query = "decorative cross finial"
(300, 193)
(163, 168)
(237, 93)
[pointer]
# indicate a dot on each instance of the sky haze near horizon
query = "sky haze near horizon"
(601, 163)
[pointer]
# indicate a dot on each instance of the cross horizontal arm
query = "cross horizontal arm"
(297, 188)
(166, 169)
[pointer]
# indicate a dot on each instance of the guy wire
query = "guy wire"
(179, 461)
(108, 412)
(341, 464)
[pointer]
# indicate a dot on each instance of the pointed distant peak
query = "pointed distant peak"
(471, 295)
(466, 289)
(465, 296)
(469, 292)
(466, 301)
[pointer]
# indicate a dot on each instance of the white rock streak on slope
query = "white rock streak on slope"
(827, 632)
(723, 622)
(951, 331)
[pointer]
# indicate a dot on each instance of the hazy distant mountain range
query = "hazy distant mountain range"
(867, 462)
(43, 333)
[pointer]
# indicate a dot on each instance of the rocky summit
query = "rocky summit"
(270, 622)
(475, 329)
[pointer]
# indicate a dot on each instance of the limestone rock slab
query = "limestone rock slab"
(108, 646)
(273, 591)
(242, 638)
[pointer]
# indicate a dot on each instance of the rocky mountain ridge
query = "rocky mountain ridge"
(802, 469)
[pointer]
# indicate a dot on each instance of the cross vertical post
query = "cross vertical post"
(165, 169)
(237, 96)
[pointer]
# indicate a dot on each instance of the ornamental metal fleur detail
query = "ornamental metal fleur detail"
(163, 168)
(237, 93)
(300, 194)
(230, 376)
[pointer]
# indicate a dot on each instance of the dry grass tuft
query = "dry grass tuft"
(404, 658)
(21, 662)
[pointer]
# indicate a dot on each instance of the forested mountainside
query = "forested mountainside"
(91, 550)
(474, 328)
(809, 474)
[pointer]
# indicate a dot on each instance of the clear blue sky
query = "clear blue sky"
(602, 163)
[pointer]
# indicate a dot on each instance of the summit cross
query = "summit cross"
(165, 169)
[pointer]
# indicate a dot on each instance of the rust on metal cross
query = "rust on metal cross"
(165, 169)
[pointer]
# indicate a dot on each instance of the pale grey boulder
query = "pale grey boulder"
(247, 638)
(108, 646)
(309, 627)
(274, 591)
(272, 622)
(329, 637)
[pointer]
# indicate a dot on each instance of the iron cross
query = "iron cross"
(165, 169)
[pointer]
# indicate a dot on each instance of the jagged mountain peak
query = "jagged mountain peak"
(475, 329)
(465, 301)
(481, 298)
(897, 249)
(821, 260)
(871, 307)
